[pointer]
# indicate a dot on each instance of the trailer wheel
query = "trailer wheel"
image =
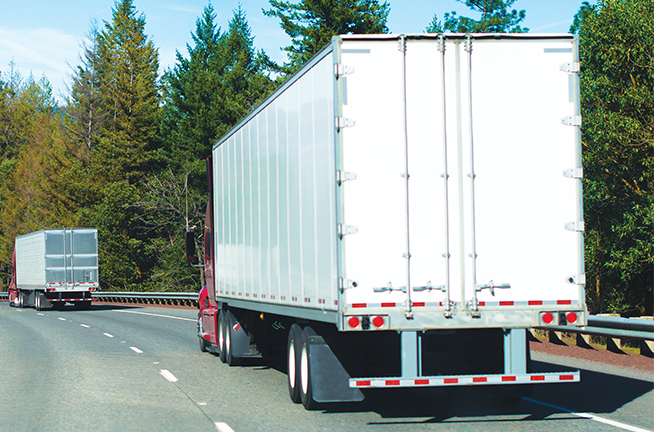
(21, 300)
(203, 343)
(221, 335)
(230, 322)
(37, 301)
(293, 356)
(306, 386)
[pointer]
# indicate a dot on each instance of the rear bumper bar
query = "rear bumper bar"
(467, 380)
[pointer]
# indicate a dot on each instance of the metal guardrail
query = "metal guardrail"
(613, 328)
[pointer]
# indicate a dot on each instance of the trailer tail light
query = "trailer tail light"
(354, 322)
(367, 322)
(378, 321)
(571, 317)
(547, 318)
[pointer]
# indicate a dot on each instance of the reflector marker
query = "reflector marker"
(439, 381)
(503, 303)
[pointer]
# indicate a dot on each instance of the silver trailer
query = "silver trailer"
(415, 197)
(56, 266)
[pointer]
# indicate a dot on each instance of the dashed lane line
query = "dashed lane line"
(136, 350)
(591, 417)
(157, 315)
(84, 325)
(61, 319)
(168, 375)
(108, 335)
(223, 427)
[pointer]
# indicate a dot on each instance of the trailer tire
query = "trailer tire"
(292, 357)
(203, 343)
(230, 322)
(306, 385)
(37, 301)
(221, 335)
(21, 300)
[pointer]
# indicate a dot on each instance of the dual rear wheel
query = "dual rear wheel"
(300, 387)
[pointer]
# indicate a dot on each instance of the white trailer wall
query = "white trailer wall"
(512, 145)
(274, 180)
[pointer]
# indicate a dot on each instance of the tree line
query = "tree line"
(125, 152)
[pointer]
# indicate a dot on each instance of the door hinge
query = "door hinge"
(577, 226)
(574, 173)
(574, 120)
(342, 122)
(572, 67)
(340, 70)
(344, 230)
(343, 176)
(344, 284)
(577, 279)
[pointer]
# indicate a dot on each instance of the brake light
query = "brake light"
(547, 318)
(378, 321)
(354, 322)
(571, 317)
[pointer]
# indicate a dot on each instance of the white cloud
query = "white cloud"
(39, 51)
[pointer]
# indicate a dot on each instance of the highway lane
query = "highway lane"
(104, 369)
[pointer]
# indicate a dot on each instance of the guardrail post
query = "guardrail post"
(647, 348)
(614, 345)
(583, 341)
(556, 337)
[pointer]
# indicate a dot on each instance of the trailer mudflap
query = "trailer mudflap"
(466, 380)
(328, 376)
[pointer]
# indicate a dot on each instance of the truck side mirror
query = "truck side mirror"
(189, 245)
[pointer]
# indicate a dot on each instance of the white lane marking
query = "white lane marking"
(136, 350)
(85, 326)
(157, 315)
(61, 319)
(40, 314)
(591, 417)
(223, 427)
(202, 403)
(169, 376)
(108, 335)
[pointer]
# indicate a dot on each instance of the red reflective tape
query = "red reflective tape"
(537, 378)
(566, 377)
(482, 303)
(419, 304)
(535, 302)
(392, 382)
(359, 305)
(479, 379)
(422, 382)
(362, 383)
(508, 378)
(451, 381)
(237, 326)
(388, 305)
(564, 302)
(506, 303)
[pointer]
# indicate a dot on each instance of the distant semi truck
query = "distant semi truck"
(53, 267)
(398, 213)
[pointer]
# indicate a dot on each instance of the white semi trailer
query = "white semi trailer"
(53, 267)
(398, 213)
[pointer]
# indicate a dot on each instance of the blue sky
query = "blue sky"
(43, 37)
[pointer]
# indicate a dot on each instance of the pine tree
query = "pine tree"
(495, 18)
(128, 67)
(312, 23)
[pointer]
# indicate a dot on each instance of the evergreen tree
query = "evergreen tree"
(128, 67)
(206, 94)
(617, 102)
(495, 18)
(312, 23)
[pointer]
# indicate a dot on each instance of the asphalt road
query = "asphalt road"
(139, 368)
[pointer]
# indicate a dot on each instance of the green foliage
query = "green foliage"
(312, 23)
(495, 18)
(617, 98)
(128, 67)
